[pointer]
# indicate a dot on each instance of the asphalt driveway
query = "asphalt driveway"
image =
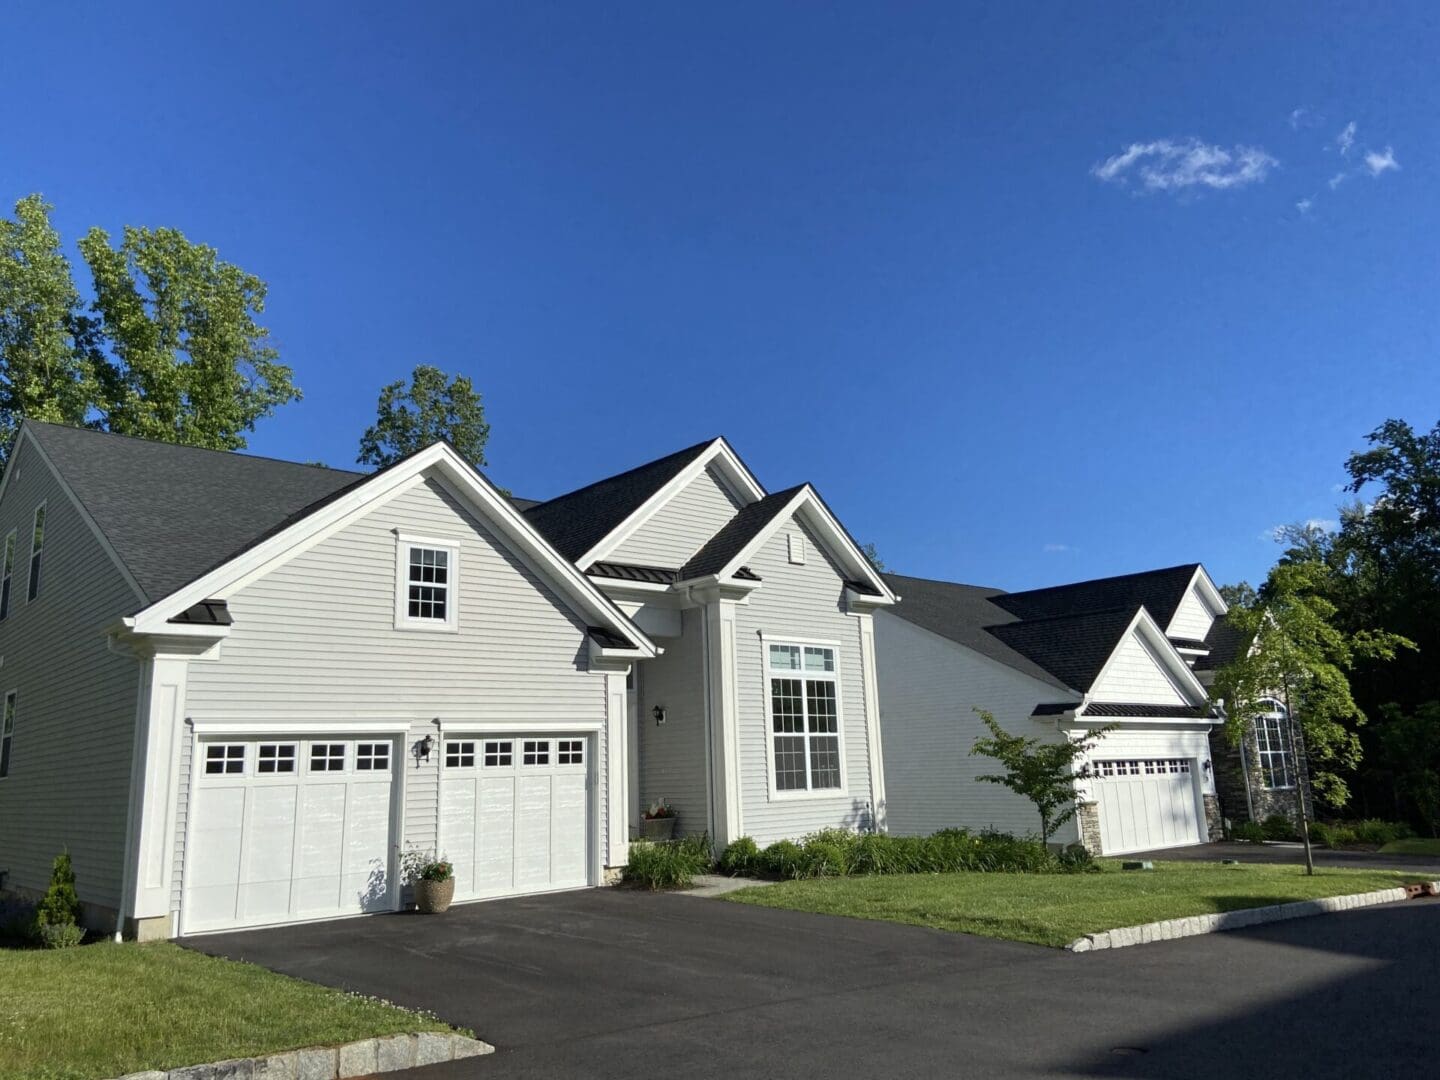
(1294, 854)
(615, 983)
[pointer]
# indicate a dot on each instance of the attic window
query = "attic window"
(8, 571)
(797, 548)
(427, 580)
(37, 542)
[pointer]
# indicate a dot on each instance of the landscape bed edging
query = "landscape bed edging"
(366, 1057)
(1194, 925)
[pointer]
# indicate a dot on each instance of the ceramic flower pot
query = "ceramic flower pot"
(657, 828)
(433, 897)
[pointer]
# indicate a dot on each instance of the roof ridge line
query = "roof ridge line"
(627, 472)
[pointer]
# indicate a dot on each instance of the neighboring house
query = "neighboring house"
(238, 689)
(1050, 662)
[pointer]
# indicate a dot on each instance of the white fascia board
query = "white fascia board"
(1180, 672)
(718, 453)
(831, 532)
(28, 439)
(495, 510)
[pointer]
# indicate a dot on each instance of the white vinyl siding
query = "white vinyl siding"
(799, 604)
(680, 527)
(1192, 618)
(672, 754)
(316, 639)
(70, 759)
(930, 688)
(1136, 675)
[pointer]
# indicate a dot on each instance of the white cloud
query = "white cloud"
(1381, 163)
(1346, 139)
(1297, 118)
(1056, 549)
(1304, 205)
(1338, 179)
(1177, 164)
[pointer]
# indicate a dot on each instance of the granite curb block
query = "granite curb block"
(1193, 925)
(367, 1057)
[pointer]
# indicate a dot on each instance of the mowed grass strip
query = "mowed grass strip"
(105, 1010)
(1055, 909)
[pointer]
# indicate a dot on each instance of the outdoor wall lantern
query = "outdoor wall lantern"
(423, 748)
(1207, 766)
(659, 713)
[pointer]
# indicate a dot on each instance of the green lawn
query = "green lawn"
(1416, 845)
(106, 1010)
(1055, 909)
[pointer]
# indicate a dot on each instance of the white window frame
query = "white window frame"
(777, 794)
(7, 731)
(7, 571)
(403, 620)
(35, 568)
(1284, 752)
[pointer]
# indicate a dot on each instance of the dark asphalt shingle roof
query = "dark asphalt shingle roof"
(173, 513)
(575, 522)
(1073, 648)
(747, 523)
(962, 613)
(1160, 591)
(1225, 644)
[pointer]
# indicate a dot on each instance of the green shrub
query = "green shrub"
(668, 864)
(60, 906)
(1381, 833)
(60, 935)
(1076, 859)
(740, 858)
(783, 859)
(1279, 827)
(1247, 830)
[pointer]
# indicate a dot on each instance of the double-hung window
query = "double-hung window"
(1277, 763)
(804, 717)
(9, 572)
(7, 733)
(37, 542)
(427, 584)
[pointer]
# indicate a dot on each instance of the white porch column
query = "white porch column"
(618, 749)
(873, 746)
(723, 712)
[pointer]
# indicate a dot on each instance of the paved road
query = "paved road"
(1295, 853)
(614, 983)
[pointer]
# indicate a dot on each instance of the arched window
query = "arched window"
(1277, 764)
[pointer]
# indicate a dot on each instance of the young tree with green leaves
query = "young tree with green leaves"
(432, 407)
(1041, 771)
(169, 349)
(1299, 656)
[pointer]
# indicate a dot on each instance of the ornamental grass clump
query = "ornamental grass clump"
(668, 864)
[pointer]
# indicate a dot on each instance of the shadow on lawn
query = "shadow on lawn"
(1382, 1019)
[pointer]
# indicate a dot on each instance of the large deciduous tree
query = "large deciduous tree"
(168, 349)
(431, 407)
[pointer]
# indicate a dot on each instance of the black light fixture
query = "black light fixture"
(1207, 766)
(659, 713)
(423, 748)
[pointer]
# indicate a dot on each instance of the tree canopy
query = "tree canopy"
(431, 407)
(168, 348)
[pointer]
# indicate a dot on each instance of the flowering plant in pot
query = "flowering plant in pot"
(432, 877)
(658, 821)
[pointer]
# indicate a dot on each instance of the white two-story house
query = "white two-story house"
(237, 690)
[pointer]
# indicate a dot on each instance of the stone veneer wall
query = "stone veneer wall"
(1230, 783)
(1087, 817)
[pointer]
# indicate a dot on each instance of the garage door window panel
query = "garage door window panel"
(460, 754)
(225, 759)
(499, 754)
(275, 758)
(327, 757)
(372, 757)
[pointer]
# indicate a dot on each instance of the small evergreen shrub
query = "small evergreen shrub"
(740, 858)
(60, 935)
(1279, 827)
(839, 853)
(1076, 859)
(60, 906)
(1252, 831)
(668, 864)
(783, 859)
(1381, 833)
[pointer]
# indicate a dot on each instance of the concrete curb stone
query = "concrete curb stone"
(1193, 925)
(365, 1057)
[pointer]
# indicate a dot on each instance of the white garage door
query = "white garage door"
(515, 813)
(286, 829)
(1145, 804)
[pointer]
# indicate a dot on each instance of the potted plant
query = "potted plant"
(658, 821)
(433, 880)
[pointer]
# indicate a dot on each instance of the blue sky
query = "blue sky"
(1030, 293)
